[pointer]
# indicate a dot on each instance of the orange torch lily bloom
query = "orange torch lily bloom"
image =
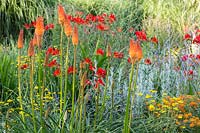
(31, 49)
(67, 27)
(75, 35)
(20, 39)
(135, 51)
(61, 14)
(39, 30)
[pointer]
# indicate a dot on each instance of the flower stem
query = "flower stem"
(19, 84)
(41, 88)
(31, 92)
(73, 91)
(105, 90)
(126, 120)
(133, 94)
(61, 72)
(66, 79)
(96, 108)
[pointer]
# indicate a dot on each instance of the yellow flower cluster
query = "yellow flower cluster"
(184, 109)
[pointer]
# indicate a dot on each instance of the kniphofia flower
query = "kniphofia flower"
(20, 43)
(135, 51)
(31, 49)
(61, 14)
(75, 35)
(39, 30)
(108, 52)
(67, 27)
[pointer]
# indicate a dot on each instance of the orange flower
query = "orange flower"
(75, 35)
(20, 39)
(135, 51)
(193, 104)
(61, 14)
(34, 40)
(31, 49)
(67, 27)
(39, 31)
(39, 28)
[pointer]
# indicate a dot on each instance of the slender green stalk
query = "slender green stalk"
(19, 84)
(84, 118)
(126, 119)
(31, 91)
(66, 73)
(97, 107)
(105, 90)
(66, 79)
(73, 91)
(81, 107)
(133, 94)
(41, 88)
(61, 70)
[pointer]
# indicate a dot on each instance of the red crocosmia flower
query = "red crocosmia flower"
(71, 70)
(147, 61)
(198, 57)
(91, 67)
(184, 58)
(112, 18)
(118, 55)
(33, 23)
(78, 20)
(190, 72)
(100, 52)
(102, 27)
(100, 19)
(49, 26)
(52, 63)
(197, 39)
(141, 35)
(87, 82)
(56, 72)
(101, 72)
(52, 51)
(24, 66)
(187, 36)
(154, 40)
(27, 26)
(192, 56)
(90, 18)
(100, 81)
(87, 61)
(55, 52)
(129, 60)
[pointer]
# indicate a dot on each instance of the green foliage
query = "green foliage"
(14, 13)
(172, 16)
(8, 84)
